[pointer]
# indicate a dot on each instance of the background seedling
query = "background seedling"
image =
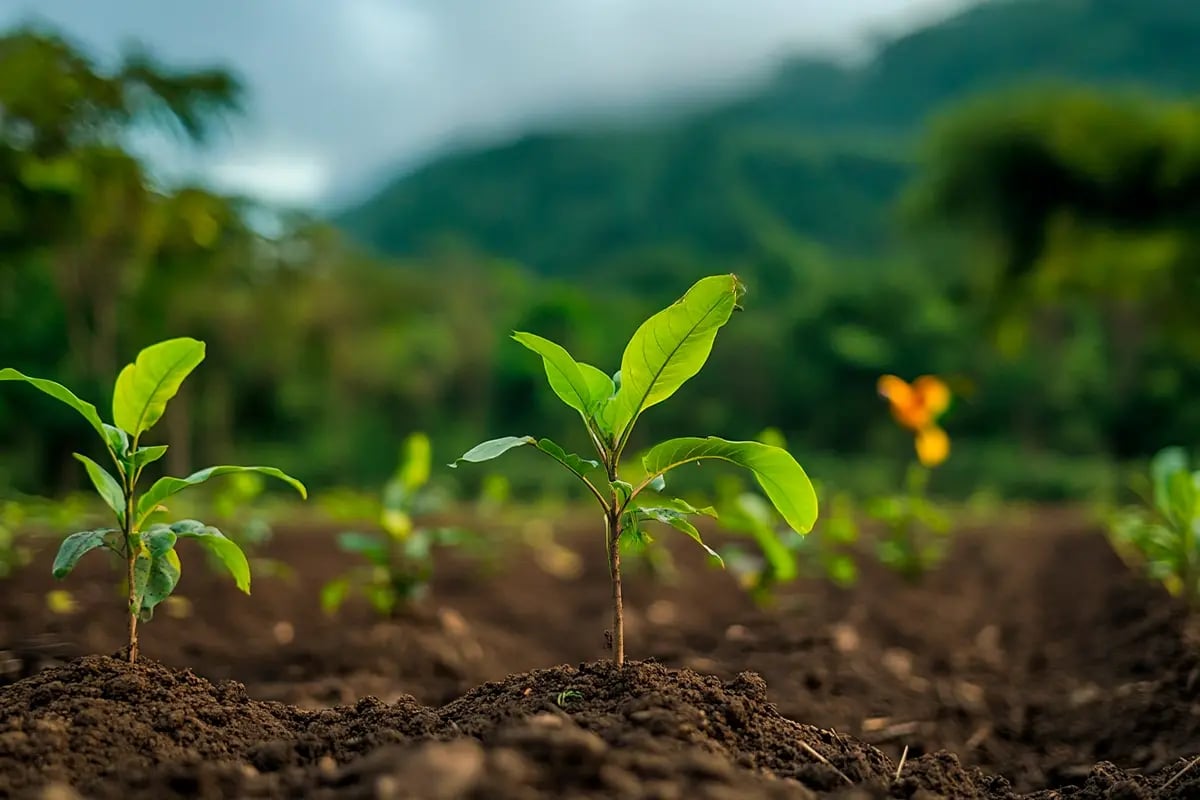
(915, 529)
(1163, 534)
(778, 558)
(666, 351)
(147, 548)
(400, 560)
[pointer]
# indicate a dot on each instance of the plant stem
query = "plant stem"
(612, 525)
(131, 551)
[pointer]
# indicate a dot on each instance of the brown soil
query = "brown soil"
(1032, 664)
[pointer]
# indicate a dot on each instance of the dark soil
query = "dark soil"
(1032, 664)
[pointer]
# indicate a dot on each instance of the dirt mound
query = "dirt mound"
(109, 729)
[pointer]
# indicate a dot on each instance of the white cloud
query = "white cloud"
(342, 92)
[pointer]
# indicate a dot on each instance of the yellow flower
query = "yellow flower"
(917, 407)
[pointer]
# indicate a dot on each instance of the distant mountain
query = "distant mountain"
(811, 162)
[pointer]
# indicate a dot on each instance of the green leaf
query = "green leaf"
(145, 386)
(783, 480)
(678, 521)
(1181, 499)
(493, 448)
(164, 571)
(581, 386)
(166, 487)
(77, 545)
(418, 457)
(624, 490)
(117, 439)
(1166, 463)
(147, 455)
(63, 394)
(106, 485)
(671, 347)
(576, 464)
(226, 550)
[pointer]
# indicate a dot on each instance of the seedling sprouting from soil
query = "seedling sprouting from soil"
(667, 350)
(915, 537)
(140, 397)
(1164, 533)
(400, 560)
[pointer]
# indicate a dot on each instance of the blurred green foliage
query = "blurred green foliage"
(1042, 261)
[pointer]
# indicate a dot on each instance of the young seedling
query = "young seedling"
(400, 560)
(152, 567)
(667, 350)
(780, 558)
(916, 530)
(1164, 532)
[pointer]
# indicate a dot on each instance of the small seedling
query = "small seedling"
(915, 537)
(400, 560)
(1164, 532)
(567, 696)
(152, 567)
(667, 350)
(779, 558)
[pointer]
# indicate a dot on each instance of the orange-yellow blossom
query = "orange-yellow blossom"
(917, 406)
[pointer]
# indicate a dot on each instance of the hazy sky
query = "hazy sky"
(343, 92)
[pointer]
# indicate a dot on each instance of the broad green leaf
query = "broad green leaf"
(147, 455)
(166, 487)
(783, 480)
(671, 347)
(333, 594)
(164, 570)
(106, 485)
(575, 463)
(226, 550)
(580, 386)
(679, 521)
(145, 386)
(77, 545)
(493, 448)
(63, 394)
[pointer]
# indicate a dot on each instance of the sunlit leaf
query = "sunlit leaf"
(671, 347)
(167, 487)
(144, 387)
(226, 550)
(782, 479)
(106, 485)
(581, 386)
(679, 521)
(63, 394)
(493, 448)
(576, 464)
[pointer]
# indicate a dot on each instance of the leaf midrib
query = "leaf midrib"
(157, 385)
(658, 374)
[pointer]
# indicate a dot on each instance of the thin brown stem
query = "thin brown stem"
(614, 562)
(131, 552)
(133, 617)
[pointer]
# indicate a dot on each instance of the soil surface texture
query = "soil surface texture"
(1032, 664)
